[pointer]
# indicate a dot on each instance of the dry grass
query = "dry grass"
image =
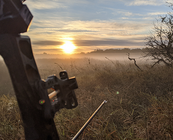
(139, 103)
(10, 122)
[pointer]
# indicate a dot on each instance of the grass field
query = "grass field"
(139, 107)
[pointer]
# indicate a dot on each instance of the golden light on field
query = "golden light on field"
(68, 47)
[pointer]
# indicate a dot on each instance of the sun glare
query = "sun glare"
(68, 47)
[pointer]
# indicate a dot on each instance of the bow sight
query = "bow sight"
(63, 95)
(37, 107)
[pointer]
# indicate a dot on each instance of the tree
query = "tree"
(160, 43)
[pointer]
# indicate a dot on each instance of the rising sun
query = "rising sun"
(68, 47)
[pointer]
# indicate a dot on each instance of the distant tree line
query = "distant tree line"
(124, 50)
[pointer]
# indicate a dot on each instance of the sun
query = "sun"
(68, 47)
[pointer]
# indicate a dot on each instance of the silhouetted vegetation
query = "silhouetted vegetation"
(124, 50)
(160, 43)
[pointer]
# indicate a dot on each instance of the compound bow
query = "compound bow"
(36, 105)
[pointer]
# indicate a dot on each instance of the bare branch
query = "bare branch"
(133, 59)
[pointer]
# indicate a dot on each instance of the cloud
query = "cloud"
(104, 42)
(120, 11)
(44, 4)
(69, 30)
(107, 42)
(157, 13)
(129, 14)
(47, 50)
(102, 34)
(98, 23)
(89, 33)
(146, 2)
(99, 27)
(47, 43)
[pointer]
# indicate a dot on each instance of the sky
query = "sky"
(92, 24)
